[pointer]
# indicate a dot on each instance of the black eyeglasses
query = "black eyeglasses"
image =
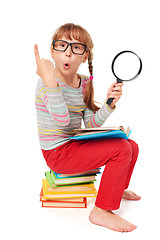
(61, 46)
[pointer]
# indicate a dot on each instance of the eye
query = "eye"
(62, 45)
(76, 47)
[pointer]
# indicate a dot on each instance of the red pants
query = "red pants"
(118, 155)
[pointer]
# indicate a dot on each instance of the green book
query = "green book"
(55, 181)
(51, 181)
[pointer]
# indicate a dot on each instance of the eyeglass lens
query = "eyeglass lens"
(76, 48)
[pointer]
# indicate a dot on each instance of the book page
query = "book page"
(87, 131)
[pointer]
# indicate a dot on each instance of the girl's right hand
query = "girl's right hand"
(45, 70)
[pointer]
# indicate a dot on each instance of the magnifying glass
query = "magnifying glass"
(126, 66)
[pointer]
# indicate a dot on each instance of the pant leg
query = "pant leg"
(135, 152)
(116, 177)
(79, 156)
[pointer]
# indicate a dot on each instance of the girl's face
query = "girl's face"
(67, 63)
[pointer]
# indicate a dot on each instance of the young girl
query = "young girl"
(63, 99)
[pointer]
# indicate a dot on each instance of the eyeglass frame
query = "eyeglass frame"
(69, 44)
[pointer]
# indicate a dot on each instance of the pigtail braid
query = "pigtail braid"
(90, 65)
(89, 91)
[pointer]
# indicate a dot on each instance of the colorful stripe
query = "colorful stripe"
(60, 111)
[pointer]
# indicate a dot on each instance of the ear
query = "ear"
(52, 52)
(86, 57)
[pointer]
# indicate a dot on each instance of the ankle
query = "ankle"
(100, 210)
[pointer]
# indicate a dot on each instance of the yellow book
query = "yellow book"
(71, 188)
(74, 192)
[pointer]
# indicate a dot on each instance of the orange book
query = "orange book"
(64, 202)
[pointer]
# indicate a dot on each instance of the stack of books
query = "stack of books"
(66, 190)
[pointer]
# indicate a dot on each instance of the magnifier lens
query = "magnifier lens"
(126, 66)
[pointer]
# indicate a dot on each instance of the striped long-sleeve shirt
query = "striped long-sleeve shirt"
(61, 110)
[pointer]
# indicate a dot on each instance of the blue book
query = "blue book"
(101, 134)
(72, 180)
(86, 173)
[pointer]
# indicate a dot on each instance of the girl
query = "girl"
(63, 99)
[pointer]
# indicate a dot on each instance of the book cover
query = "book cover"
(70, 188)
(71, 180)
(78, 199)
(102, 132)
(53, 184)
(90, 172)
(60, 176)
(63, 202)
(66, 194)
(102, 135)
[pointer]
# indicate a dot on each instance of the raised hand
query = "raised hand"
(45, 69)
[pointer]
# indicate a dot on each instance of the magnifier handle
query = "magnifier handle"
(110, 100)
(119, 81)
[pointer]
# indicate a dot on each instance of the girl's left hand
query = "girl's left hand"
(115, 91)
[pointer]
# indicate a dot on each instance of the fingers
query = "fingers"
(36, 53)
(115, 92)
(115, 95)
(119, 85)
(115, 87)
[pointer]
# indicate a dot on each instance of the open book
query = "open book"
(102, 132)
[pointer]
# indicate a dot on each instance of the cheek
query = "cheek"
(78, 61)
(57, 58)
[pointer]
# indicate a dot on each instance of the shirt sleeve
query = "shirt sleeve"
(92, 120)
(51, 100)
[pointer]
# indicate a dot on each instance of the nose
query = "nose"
(68, 51)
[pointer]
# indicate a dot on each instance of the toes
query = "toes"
(129, 227)
(129, 195)
(136, 197)
(126, 227)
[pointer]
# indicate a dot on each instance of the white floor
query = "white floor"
(24, 218)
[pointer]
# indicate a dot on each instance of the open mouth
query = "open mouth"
(66, 65)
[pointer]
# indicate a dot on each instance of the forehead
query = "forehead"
(71, 35)
(70, 40)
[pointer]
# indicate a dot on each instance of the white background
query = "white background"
(114, 26)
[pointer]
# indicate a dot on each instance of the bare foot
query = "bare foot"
(129, 195)
(110, 220)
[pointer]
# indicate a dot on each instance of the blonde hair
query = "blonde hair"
(70, 31)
